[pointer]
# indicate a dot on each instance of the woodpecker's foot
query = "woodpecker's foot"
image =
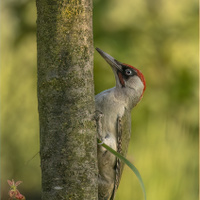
(98, 115)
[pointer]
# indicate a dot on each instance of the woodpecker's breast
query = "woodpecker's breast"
(111, 108)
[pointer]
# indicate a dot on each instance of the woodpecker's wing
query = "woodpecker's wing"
(123, 138)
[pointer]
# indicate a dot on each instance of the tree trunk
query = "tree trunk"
(66, 99)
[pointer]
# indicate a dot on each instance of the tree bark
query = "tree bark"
(66, 99)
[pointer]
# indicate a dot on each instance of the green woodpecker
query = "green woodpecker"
(113, 108)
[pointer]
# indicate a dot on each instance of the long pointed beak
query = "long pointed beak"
(110, 60)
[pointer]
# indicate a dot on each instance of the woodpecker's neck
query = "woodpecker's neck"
(130, 95)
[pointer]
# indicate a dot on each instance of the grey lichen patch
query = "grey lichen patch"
(58, 188)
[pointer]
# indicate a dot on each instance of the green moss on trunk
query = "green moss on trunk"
(66, 99)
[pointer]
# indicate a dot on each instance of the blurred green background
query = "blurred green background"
(158, 37)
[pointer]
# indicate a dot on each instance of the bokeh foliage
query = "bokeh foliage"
(158, 37)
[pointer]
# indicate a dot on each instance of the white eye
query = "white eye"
(128, 72)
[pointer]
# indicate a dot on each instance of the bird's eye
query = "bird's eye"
(128, 72)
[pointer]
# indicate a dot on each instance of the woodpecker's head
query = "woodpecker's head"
(128, 78)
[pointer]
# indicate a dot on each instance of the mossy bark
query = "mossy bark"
(66, 99)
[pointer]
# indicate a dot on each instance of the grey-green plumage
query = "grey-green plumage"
(107, 191)
(113, 116)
